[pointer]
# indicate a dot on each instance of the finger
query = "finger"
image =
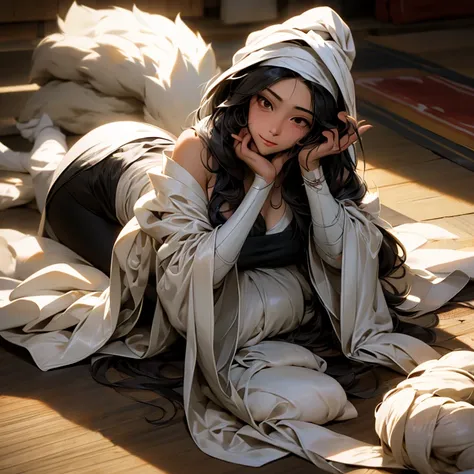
(346, 139)
(365, 128)
(352, 120)
(329, 135)
(237, 146)
(336, 139)
(353, 125)
(347, 146)
(359, 132)
(354, 133)
(245, 146)
(236, 137)
(346, 118)
(329, 140)
(342, 116)
(238, 152)
(345, 142)
(350, 142)
(353, 138)
(246, 140)
(243, 132)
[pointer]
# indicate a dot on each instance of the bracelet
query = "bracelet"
(313, 183)
(257, 185)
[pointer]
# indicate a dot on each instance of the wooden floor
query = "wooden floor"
(62, 421)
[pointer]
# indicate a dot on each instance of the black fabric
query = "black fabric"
(100, 178)
(80, 222)
(272, 251)
(81, 204)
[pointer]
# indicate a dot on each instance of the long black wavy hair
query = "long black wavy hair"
(230, 106)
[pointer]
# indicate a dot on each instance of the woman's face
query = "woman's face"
(280, 115)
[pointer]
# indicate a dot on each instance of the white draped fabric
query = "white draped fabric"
(115, 64)
(317, 44)
(427, 421)
(25, 176)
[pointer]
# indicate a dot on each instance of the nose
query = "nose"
(276, 126)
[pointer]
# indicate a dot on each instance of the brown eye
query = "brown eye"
(301, 122)
(264, 102)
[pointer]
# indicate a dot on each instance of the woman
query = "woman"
(253, 226)
(82, 202)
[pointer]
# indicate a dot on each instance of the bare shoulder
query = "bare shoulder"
(190, 153)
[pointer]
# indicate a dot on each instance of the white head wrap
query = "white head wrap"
(324, 55)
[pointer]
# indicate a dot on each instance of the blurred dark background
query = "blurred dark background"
(28, 19)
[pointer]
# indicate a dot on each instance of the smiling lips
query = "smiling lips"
(267, 142)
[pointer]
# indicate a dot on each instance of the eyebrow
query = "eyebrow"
(281, 100)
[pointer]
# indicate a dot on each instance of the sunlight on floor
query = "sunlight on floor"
(35, 438)
(424, 191)
(19, 88)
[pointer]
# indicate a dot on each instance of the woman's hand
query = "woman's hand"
(268, 170)
(309, 156)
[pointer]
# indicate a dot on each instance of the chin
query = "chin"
(265, 151)
(269, 155)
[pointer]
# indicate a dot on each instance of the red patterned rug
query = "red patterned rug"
(427, 103)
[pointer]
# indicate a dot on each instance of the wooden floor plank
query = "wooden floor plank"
(421, 203)
(382, 145)
(412, 181)
(438, 173)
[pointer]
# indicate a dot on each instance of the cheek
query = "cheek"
(255, 114)
(295, 133)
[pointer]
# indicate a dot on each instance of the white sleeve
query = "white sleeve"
(232, 235)
(327, 218)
